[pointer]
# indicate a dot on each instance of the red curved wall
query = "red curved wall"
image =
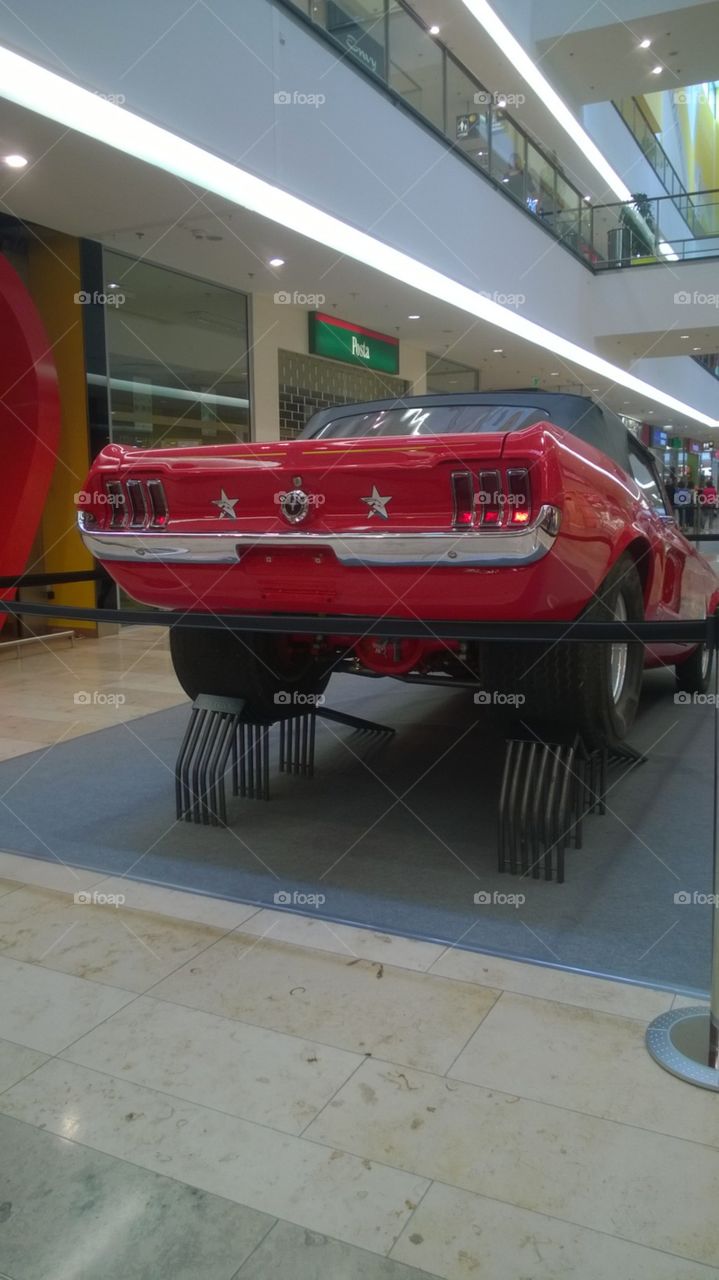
(29, 422)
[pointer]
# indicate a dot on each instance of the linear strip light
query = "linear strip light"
(50, 95)
(528, 69)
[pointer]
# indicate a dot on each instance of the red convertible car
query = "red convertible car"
(499, 505)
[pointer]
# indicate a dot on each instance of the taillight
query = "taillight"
(463, 498)
(490, 498)
(519, 496)
(116, 500)
(137, 502)
(158, 502)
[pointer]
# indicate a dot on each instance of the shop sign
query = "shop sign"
(352, 343)
(659, 438)
(353, 37)
(694, 447)
(676, 442)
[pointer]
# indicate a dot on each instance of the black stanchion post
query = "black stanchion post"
(686, 1041)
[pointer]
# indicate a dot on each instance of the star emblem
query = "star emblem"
(377, 504)
(226, 505)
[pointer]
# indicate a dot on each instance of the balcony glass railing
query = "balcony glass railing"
(635, 233)
(630, 109)
(390, 43)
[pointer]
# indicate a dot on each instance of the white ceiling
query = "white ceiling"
(84, 188)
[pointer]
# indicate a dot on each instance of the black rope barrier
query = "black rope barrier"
(690, 631)
(51, 579)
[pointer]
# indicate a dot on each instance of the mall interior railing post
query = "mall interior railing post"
(686, 1041)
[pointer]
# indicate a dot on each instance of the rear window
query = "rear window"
(434, 420)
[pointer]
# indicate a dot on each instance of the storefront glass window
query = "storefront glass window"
(177, 359)
(450, 375)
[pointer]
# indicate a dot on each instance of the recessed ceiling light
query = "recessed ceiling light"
(587, 198)
(434, 31)
(554, 375)
(696, 348)
(644, 44)
(497, 351)
(684, 337)
(113, 285)
(657, 71)
(15, 162)
(414, 317)
(277, 262)
(34, 88)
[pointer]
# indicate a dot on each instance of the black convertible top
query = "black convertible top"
(580, 415)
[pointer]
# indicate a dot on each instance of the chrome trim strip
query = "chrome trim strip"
(494, 548)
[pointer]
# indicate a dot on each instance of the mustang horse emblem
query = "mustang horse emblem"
(294, 506)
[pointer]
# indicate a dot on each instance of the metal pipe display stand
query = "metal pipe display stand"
(546, 792)
(221, 738)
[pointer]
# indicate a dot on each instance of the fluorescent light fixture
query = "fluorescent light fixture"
(414, 317)
(15, 162)
(276, 262)
(497, 351)
(528, 69)
(644, 44)
(33, 87)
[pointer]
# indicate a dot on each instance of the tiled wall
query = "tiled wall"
(308, 383)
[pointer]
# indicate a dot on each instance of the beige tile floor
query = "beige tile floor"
(349, 1105)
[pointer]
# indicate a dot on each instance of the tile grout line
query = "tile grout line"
(430, 1183)
(471, 1036)
(237, 1275)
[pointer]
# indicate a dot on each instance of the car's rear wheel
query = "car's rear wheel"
(695, 672)
(589, 687)
(274, 677)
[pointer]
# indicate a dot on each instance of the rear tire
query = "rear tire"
(694, 674)
(274, 679)
(583, 687)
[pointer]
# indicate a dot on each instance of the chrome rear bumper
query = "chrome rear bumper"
(488, 548)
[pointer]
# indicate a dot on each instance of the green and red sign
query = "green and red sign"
(352, 343)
